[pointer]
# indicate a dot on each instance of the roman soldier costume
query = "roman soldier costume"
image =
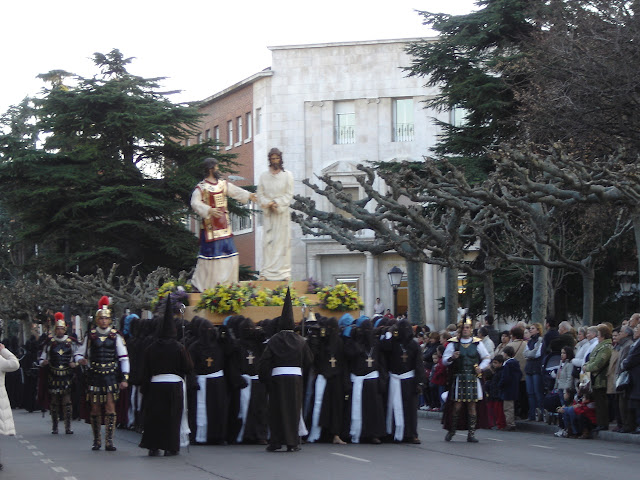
(58, 354)
(465, 388)
(108, 361)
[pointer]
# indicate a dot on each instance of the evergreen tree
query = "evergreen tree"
(474, 64)
(108, 180)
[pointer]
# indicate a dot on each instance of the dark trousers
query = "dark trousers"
(602, 407)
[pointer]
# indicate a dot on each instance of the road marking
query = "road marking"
(601, 455)
(31, 447)
(46, 460)
(429, 429)
(350, 457)
(24, 441)
(542, 446)
(495, 439)
(37, 454)
(70, 478)
(59, 469)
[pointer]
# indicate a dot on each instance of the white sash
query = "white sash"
(184, 422)
(201, 407)
(395, 412)
(286, 371)
(321, 384)
(245, 398)
(356, 404)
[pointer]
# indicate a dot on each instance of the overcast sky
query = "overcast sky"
(202, 46)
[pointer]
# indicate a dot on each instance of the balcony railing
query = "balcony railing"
(346, 134)
(403, 132)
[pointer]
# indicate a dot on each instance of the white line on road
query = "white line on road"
(25, 441)
(495, 439)
(59, 469)
(46, 460)
(70, 478)
(543, 446)
(31, 447)
(350, 457)
(429, 429)
(37, 454)
(601, 455)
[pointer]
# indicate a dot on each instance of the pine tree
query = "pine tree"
(109, 179)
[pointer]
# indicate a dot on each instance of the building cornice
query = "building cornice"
(350, 44)
(267, 72)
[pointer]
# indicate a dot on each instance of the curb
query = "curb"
(546, 429)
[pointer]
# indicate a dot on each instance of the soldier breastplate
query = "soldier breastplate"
(103, 353)
(60, 355)
(468, 357)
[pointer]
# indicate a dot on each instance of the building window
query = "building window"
(207, 134)
(249, 126)
(199, 138)
(188, 142)
(229, 133)
(216, 136)
(403, 120)
(345, 124)
(240, 225)
(458, 117)
(240, 130)
(258, 121)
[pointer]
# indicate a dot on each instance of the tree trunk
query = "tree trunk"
(587, 296)
(415, 283)
(489, 295)
(636, 230)
(451, 296)
(540, 291)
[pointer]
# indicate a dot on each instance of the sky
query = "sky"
(201, 46)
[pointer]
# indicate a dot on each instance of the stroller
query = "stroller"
(552, 401)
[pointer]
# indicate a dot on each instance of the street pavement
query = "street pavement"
(526, 454)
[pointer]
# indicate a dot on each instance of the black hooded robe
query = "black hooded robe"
(163, 402)
(284, 349)
(404, 355)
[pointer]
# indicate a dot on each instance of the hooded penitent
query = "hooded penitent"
(405, 332)
(286, 321)
(167, 326)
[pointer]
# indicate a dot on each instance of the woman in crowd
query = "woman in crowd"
(532, 371)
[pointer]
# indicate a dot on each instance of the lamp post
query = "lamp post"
(626, 285)
(395, 278)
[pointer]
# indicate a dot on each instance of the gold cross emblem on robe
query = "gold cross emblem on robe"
(209, 361)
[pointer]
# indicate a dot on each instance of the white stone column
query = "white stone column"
(311, 266)
(318, 267)
(430, 306)
(369, 286)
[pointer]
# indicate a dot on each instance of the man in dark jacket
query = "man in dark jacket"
(510, 385)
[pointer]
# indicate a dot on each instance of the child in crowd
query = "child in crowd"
(580, 418)
(437, 380)
(495, 409)
(510, 386)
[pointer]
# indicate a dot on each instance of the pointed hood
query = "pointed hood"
(167, 326)
(286, 319)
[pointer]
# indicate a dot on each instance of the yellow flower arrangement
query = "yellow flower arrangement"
(169, 287)
(233, 298)
(340, 298)
(225, 298)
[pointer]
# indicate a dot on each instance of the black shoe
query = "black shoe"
(293, 448)
(636, 431)
(110, 448)
(154, 453)
(68, 432)
(375, 441)
(472, 439)
(599, 429)
(95, 447)
(170, 453)
(272, 447)
(449, 436)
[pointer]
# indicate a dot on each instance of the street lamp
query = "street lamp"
(395, 277)
(626, 277)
